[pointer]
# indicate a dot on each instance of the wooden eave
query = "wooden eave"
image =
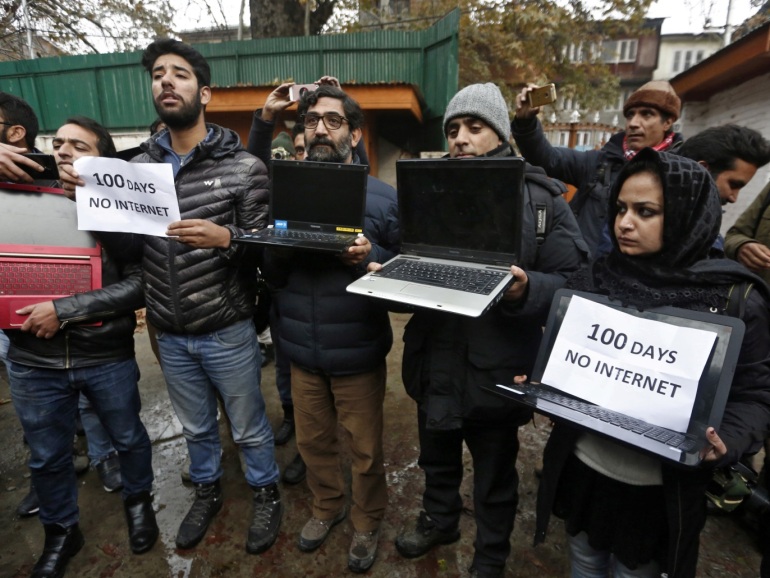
(385, 97)
(743, 60)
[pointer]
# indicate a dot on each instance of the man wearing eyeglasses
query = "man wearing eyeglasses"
(337, 343)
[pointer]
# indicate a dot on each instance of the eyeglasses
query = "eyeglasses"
(8, 123)
(332, 120)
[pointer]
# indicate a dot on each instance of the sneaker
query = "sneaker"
(425, 535)
(315, 531)
(208, 501)
(29, 505)
(109, 474)
(284, 432)
(295, 472)
(265, 519)
(362, 551)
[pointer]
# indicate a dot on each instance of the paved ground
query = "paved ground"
(728, 547)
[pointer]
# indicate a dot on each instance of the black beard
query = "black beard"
(183, 118)
(335, 153)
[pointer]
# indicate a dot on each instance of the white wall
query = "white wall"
(745, 105)
(670, 44)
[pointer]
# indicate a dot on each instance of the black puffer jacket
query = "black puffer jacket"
(79, 345)
(191, 290)
(323, 327)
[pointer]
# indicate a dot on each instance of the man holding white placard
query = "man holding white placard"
(201, 289)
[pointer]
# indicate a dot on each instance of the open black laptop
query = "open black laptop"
(681, 445)
(460, 222)
(314, 206)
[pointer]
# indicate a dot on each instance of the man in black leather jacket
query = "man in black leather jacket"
(58, 353)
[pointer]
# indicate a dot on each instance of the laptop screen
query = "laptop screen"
(467, 209)
(331, 195)
(40, 218)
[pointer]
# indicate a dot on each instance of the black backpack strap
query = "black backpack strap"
(736, 299)
(542, 194)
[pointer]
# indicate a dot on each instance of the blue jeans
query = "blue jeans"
(99, 444)
(46, 401)
(590, 563)
(227, 361)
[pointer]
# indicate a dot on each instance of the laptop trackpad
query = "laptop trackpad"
(416, 289)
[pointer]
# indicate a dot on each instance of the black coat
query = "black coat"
(323, 327)
(743, 427)
(592, 172)
(447, 357)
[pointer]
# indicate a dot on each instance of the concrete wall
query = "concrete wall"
(745, 105)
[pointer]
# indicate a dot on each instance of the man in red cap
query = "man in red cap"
(650, 113)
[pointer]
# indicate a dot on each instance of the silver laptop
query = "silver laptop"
(460, 222)
(713, 386)
(314, 206)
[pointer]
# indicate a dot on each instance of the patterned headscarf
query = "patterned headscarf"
(680, 274)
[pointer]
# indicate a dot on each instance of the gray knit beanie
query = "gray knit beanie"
(484, 101)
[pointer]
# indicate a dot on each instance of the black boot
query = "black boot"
(265, 519)
(142, 527)
(286, 430)
(61, 544)
(295, 472)
(29, 505)
(208, 501)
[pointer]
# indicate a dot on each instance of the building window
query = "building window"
(563, 138)
(688, 59)
(614, 51)
(684, 59)
(627, 50)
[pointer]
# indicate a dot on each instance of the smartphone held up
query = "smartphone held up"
(297, 90)
(542, 95)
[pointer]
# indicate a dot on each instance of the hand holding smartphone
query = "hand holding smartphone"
(297, 90)
(48, 162)
(542, 95)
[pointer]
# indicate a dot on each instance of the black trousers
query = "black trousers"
(493, 447)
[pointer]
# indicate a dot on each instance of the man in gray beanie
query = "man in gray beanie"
(448, 358)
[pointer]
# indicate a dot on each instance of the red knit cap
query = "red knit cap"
(657, 94)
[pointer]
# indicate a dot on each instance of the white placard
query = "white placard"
(126, 197)
(640, 367)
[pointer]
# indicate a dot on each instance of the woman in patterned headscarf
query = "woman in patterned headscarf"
(628, 513)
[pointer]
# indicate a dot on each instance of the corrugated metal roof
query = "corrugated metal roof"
(114, 89)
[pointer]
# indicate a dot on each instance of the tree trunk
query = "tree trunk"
(270, 19)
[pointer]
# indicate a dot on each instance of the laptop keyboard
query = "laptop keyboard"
(44, 278)
(480, 281)
(304, 235)
(668, 437)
